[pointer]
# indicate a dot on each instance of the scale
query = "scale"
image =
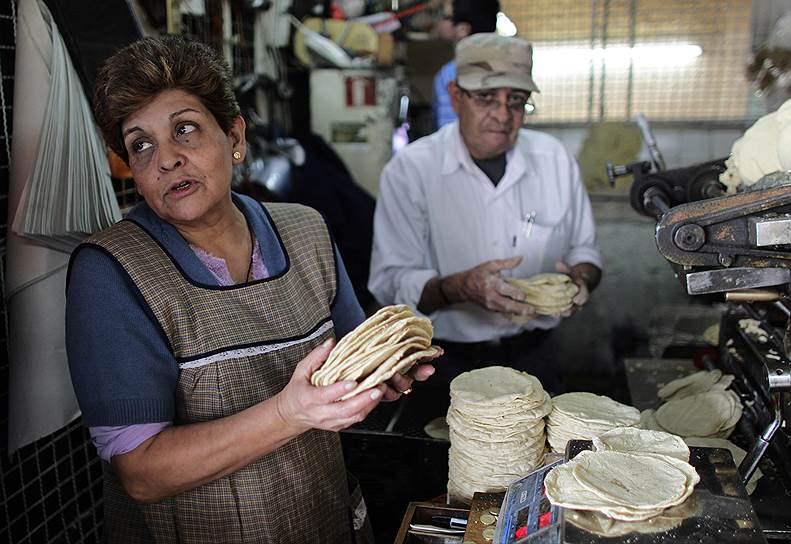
(719, 510)
(526, 514)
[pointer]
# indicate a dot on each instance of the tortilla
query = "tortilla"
(630, 439)
(648, 421)
(620, 478)
(591, 407)
(549, 293)
(713, 413)
(398, 362)
(438, 428)
(563, 489)
(496, 429)
(496, 385)
(392, 340)
(599, 524)
(697, 382)
(582, 416)
(614, 484)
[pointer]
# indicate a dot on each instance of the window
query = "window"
(673, 60)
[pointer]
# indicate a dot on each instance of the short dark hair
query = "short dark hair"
(481, 15)
(131, 77)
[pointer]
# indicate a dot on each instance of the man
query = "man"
(469, 17)
(479, 200)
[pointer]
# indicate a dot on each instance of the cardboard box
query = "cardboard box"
(358, 39)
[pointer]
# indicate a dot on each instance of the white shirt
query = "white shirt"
(438, 214)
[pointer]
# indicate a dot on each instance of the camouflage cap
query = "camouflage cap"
(490, 61)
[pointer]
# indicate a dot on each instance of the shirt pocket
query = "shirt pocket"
(545, 245)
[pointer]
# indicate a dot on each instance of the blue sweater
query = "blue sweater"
(121, 368)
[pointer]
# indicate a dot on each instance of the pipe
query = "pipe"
(753, 295)
(750, 463)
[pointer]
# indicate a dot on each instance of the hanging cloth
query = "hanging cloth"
(69, 193)
(41, 398)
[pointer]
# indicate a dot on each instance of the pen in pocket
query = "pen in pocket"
(527, 226)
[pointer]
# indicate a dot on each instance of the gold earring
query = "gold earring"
(237, 155)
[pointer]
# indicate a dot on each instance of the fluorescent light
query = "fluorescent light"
(505, 26)
(576, 58)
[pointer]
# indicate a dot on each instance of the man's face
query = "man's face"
(489, 119)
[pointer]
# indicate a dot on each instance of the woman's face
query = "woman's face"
(180, 158)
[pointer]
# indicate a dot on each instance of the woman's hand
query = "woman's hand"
(401, 384)
(305, 406)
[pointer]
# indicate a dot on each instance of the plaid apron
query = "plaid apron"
(237, 346)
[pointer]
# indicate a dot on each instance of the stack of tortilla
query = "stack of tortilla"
(710, 414)
(582, 416)
(496, 430)
(606, 488)
(549, 293)
(392, 340)
(613, 483)
(599, 524)
(697, 382)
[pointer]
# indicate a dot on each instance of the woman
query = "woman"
(193, 326)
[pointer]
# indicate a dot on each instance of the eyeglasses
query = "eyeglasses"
(518, 102)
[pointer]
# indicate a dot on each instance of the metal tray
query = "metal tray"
(718, 511)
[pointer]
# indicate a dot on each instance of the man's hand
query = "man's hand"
(586, 276)
(302, 405)
(484, 286)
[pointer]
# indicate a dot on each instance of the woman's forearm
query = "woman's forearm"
(183, 457)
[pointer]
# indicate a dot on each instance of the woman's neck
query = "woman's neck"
(216, 228)
(227, 237)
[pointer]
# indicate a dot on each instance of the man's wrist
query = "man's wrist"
(586, 274)
(435, 296)
(583, 277)
(442, 293)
